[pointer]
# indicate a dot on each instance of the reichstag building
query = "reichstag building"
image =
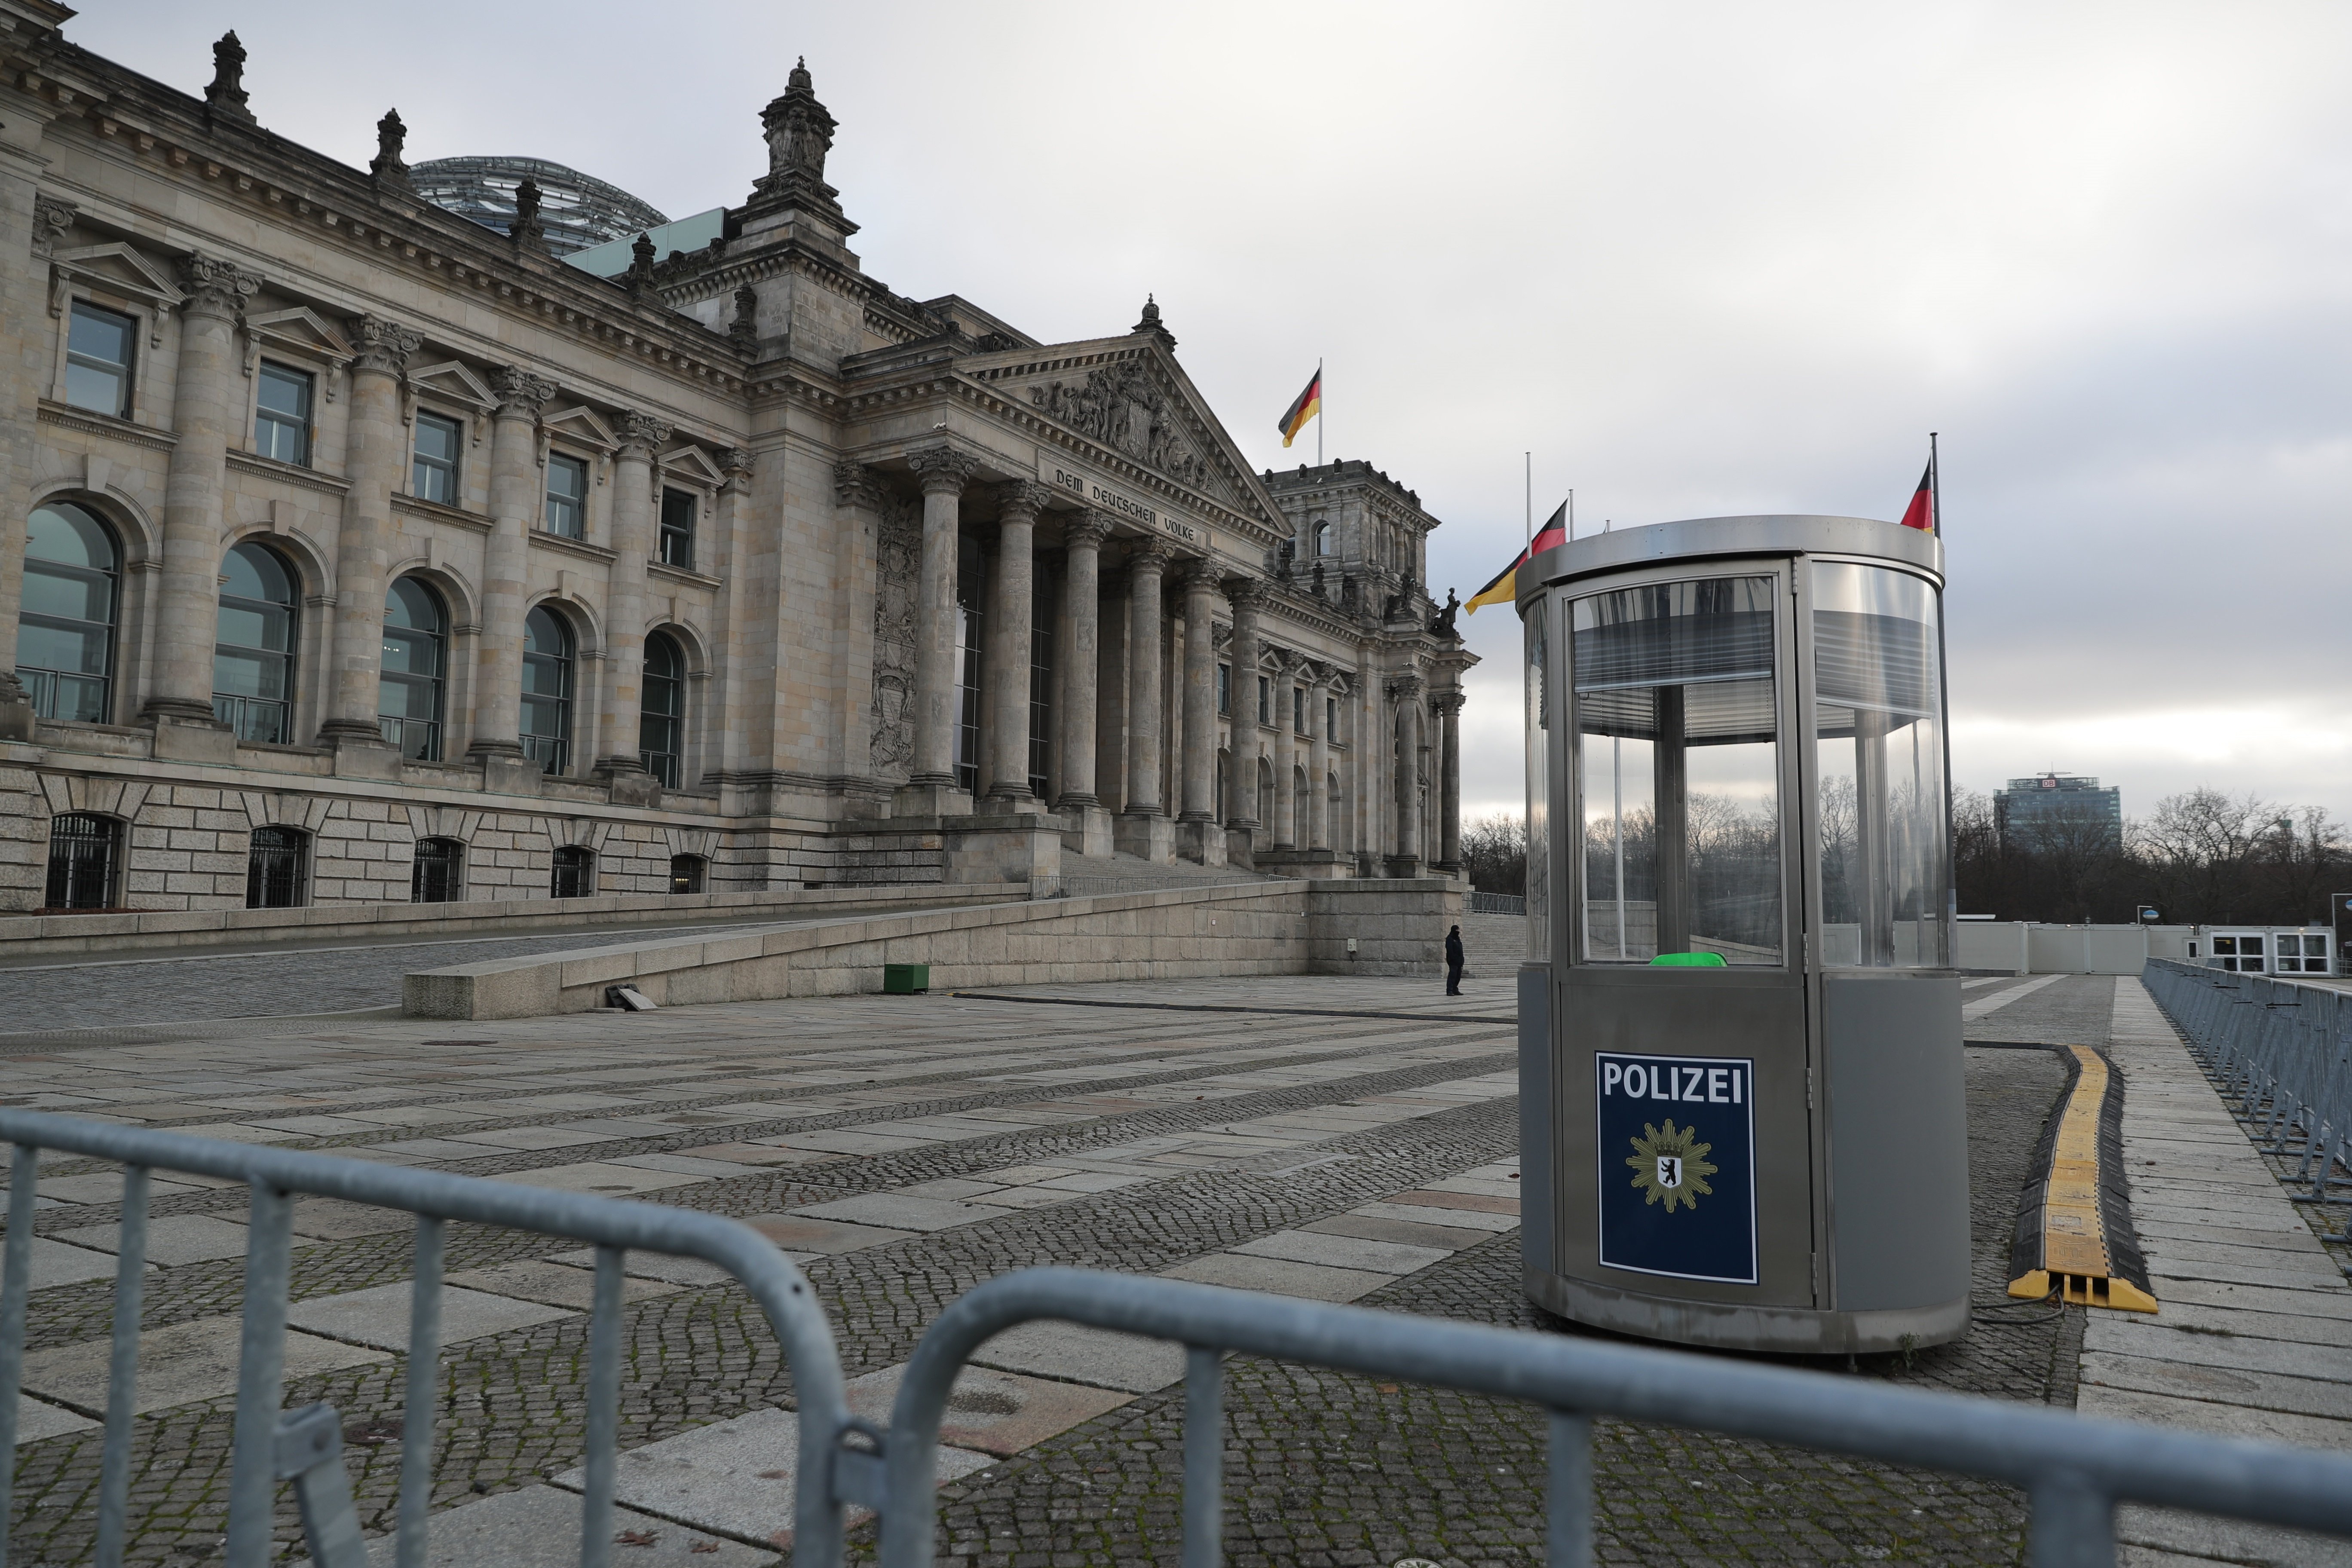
(474, 531)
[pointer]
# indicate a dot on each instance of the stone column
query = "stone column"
(1081, 591)
(1200, 835)
(1143, 828)
(1449, 783)
(204, 412)
(29, 222)
(625, 609)
(1286, 834)
(1406, 861)
(377, 452)
(1248, 596)
(857, 495)
(932, 788)
(516, 497)
(1009, 651)
(1317, 833)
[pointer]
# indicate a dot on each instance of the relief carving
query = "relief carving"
(1121, 406)
(898, 562)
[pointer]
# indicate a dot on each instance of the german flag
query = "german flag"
(1309, 404)
(1505, 589)
(1921, 513)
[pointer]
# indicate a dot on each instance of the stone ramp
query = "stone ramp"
(2253, 1338)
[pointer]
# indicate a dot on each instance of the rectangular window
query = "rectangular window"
(1224, 689)
(567, 496)
(1299, 709)
(1265, 701)
(281, 414)
(1678, 749)
(435, 476)
(99, 346)
(677, 511)
(1330, 718)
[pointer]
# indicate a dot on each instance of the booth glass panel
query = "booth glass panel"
(1539, 702)
(1678, 764)
(1886, 868)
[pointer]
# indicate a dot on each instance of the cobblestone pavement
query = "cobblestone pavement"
(905, 1149)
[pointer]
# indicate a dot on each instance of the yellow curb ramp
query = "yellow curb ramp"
(2074, 1223)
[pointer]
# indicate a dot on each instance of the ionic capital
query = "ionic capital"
(942, 470)
(855, 484)
(640, 434)
(215, 288)
(1022, 501)
(383, 346)
(520, 394)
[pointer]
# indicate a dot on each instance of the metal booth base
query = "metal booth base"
(1718, 1326)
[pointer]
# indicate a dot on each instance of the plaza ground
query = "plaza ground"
(905, 1149)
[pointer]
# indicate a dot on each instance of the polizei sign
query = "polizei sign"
(1677, 1141)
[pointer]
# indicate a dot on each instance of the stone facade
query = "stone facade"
(854, 588)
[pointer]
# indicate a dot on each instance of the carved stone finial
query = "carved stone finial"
(526, 231)
(943, 470)
(799, 133)
(520, 392)
(1150, 322)
(226, 95)
(744, 329)
(640, 276)
(391, 137)
(214, 288)
(51, 218)
(383, 346)
(640, 434)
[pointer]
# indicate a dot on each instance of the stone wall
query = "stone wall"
(1268, 928)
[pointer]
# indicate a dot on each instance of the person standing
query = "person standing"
(1453, 962)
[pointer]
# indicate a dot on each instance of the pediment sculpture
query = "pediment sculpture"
(1121, 406)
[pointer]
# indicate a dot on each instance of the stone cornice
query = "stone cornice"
(290, 473)
(165, 135)
(478, 522)
(70, 419)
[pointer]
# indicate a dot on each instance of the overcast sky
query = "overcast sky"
(1699, 259)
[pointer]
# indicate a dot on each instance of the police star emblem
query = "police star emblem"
(1671, 1167)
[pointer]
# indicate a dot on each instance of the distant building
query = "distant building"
(2059, 808)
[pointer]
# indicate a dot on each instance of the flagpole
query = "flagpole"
(1571, 514)
(1322, 410)
(1935, 487)
(1531, 496)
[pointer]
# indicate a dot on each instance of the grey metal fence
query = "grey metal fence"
(1497, 903)
(305, 1446)
(2075, 1470)
(2281, 1055)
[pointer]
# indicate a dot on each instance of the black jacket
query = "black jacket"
(1453, 948)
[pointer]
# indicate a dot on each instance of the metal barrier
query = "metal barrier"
(2074, 1468)
(305, 1446)
(1497, 903)
(2280, 1055)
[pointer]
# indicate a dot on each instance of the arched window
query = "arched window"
(1322, 539)
(253, 659)
(575, 873)
(436, 876)
(687, 873)
(415, 655)
(65, 642)
(661, 720)
(85, 853)
(273, 869)
(547, 655)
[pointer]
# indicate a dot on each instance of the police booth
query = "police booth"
(1741, 1081)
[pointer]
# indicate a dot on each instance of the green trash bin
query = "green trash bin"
(905, 979)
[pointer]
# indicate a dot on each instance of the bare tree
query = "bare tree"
(1495, 853)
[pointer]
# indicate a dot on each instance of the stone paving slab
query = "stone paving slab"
(898, 1211)
(666, 1267)
(1076, 1353)
(552, 1284)
(598, 1177)
(380, 1316)
(37, 1422)
(54, 1263)
(1312, 1281)
(177, 1365)
(172, 1239)
(538, 1527)
(1421, 1213)
(991, 1411)
(733, 1478)
(1342, 1252)
(338, 1219)
(802, 1235)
